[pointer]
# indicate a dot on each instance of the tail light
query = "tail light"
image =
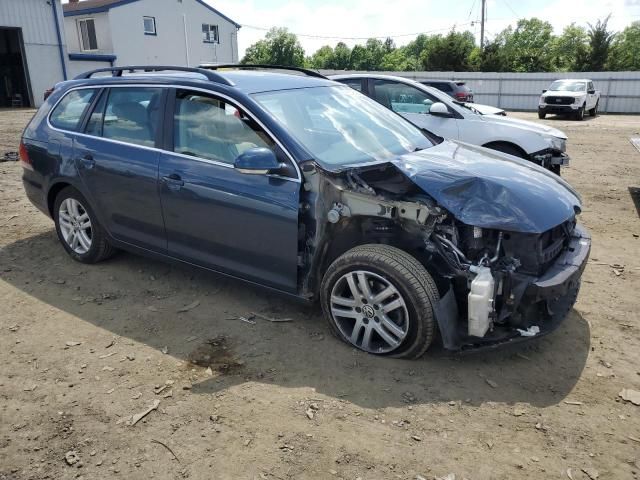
(25, 161)
(461, 95)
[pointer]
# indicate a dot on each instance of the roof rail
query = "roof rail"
(117, 72)
(249, 66)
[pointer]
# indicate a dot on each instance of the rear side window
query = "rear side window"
(128, 115)
(207, 127)
(70, 110)
(354, 83)
(445, 87)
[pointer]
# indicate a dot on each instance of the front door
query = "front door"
(118, 163)
(413, 104)
(242, 224)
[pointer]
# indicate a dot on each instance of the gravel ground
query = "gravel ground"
(83, 348)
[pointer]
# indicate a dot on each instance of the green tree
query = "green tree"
(528, 49)
(279, 47)
(322, 58)
(450, 52)
(389, 45)
(398, 61)
(375, 53)
(625, 49)
(571, 49)
(358, 58)
(341, 57)
(494, 57)
(600, 39)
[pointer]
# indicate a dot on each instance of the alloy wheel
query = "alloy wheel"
(369, 311)
(75, 225)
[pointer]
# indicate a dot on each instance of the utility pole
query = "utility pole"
(482, 19)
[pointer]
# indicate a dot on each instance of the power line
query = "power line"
(336, 37)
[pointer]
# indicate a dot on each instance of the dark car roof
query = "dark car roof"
(248, 82)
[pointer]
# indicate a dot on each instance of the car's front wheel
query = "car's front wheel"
(580, 113)
(381, 300)
(78, 229)
(542, 114)
(594, 111)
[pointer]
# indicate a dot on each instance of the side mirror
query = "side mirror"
(256, 161)
(591, 92)
(439, 109)
(544, 90)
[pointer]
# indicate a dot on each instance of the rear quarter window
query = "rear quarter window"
(68, 113)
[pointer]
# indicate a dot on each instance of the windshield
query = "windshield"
(340, 126)
(568, 86)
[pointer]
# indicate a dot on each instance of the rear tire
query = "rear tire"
(359, 290)
(78, 228)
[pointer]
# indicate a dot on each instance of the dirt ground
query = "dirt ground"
(83, 348)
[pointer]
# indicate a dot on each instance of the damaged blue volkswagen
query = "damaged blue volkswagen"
(302, 185)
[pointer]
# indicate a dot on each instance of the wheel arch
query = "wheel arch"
(496, 143)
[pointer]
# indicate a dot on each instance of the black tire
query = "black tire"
(507, 148)
(542, 115)
(594, 111)
(100, 248)
(580, 114)
(407, 275)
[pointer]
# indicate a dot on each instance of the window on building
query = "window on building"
(149, 25)
(210, 33)
(87, 32)
(69, 111)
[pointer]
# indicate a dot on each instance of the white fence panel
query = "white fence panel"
(620, 91)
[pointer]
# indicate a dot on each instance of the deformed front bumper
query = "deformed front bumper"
(558, 287)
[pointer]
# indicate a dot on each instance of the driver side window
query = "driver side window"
(210, 128)
(402, 98)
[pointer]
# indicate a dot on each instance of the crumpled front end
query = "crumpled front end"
(499, 237)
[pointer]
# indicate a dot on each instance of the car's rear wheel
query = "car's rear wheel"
(78, 229)
(380, 299)
(594, 111)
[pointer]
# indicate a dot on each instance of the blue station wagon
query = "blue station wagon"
(283, 178)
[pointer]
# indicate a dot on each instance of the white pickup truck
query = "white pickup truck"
(573, 97)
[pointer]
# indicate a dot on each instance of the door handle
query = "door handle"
(173, 181)
(87, 161)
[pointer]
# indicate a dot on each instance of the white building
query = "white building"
(33, 54)
(147, 32)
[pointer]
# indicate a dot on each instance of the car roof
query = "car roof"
(246, 81)
(573, 80)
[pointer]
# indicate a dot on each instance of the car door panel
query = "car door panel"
(242, 224)
(121, 177)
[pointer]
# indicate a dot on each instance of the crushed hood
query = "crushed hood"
(489, 189)
(525, 125)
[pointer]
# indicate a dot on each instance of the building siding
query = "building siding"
(41, 46)
(120, 32)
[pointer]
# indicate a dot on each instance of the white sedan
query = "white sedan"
(429, 108)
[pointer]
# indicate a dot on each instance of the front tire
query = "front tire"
(594, 111)
(541, 115)
(381, 300)
(78, 229)
(580, 113)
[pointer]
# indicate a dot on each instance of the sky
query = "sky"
(346, 20)
(403, 19)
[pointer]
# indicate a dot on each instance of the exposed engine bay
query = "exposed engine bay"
(488, 279)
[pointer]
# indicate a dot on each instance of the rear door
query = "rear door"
(117, 158)
(242, 224)
(413, 104)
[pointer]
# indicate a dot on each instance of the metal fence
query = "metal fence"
(619, 91)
